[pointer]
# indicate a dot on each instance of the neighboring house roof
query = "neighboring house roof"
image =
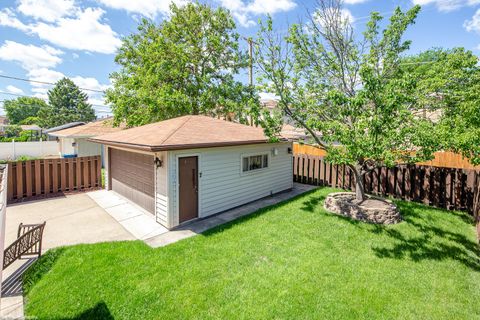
(185, 132)
(91, 129)
(3, 120)
(292, 133)
(32, 127)
(270, 104)
(64, 126)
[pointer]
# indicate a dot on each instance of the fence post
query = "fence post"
(476, 202)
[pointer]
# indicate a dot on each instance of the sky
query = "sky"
(45, 40)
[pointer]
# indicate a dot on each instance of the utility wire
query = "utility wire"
(44, 82)
(24, 96)
(28, 105)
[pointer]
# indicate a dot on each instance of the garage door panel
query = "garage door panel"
(133, 177)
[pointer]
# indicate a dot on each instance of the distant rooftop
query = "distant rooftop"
(88, 130)
(64, 126)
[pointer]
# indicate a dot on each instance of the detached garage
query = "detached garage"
(194, 166)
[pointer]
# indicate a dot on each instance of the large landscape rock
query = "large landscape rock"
(373, 210)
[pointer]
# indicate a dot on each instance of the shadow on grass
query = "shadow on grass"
(431, 241)
(98, 312)
(39, 268)
(311, 204)
(253, 215)
(426, 238)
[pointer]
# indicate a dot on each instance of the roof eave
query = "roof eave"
(180, 146)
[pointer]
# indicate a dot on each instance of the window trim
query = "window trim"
(247, 155)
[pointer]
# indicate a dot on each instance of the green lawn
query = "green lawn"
(290, 261)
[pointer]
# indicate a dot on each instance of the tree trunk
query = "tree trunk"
(359, 190)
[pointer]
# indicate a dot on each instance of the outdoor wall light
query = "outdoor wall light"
(158, 162)
(289, 150)
(275, 151)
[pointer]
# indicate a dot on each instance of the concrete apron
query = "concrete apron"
(201, 225)
(140, 223)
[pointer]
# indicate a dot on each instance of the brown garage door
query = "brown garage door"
(132, 176)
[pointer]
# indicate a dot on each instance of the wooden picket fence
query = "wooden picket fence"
(450, 188)
(40, 178)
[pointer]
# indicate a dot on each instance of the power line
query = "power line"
(28, 105)
(44, 82)
(24, 96)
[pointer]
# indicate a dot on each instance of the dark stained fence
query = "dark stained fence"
(40, 178)
(450, 188)
(476, 202)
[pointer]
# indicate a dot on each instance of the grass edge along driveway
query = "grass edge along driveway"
(289, 261)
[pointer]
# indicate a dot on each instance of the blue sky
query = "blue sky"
(43, 40)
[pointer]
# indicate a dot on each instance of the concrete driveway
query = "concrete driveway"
(71, 219)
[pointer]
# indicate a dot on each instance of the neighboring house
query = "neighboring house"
(3, 123)
(72, 142)
(63, 126)
(194, 166)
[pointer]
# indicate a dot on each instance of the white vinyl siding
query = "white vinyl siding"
(86, 148)
(161, 191)
(223, 184)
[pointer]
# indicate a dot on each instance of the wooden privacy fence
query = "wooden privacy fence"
(441, 159)
(37, 178)
(450, 188)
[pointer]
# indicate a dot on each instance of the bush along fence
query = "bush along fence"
(449, 188)
(41, 178)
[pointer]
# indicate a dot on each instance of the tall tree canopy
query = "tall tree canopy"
(449, 87)
(351, 95)
(185, 65)
(66, 103)
(23, 109)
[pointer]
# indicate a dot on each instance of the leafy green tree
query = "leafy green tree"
(351, 95)
(66, 103)
(13, 131)
(185, 65)
(21, 108)
(448, 87)
(29, 120)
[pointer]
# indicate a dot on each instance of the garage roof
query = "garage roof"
(185, 132)
(91, 129)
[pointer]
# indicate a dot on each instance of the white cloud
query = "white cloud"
(30, 56)
(47, 75)
(447, 5)
(14, 90)
(8, 19)
(85, 30)
(473, 25)
(243, 11)
(345, 14)
(148, 8)
(47, 10)
(90, 83)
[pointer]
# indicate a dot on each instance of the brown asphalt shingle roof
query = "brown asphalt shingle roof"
(91, 129)
(185, 132)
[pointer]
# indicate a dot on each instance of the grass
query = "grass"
(103, 177)
(289, 261)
